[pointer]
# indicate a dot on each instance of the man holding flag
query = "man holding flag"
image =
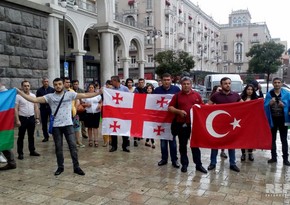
(224, 96)
(7, 134)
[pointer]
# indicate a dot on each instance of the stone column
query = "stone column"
(125, 67)
(53, 48)
(79, 66)
(107, 32)
(141, 68)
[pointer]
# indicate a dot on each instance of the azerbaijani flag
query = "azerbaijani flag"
(7, 104)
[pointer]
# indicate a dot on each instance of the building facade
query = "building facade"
(55, 38)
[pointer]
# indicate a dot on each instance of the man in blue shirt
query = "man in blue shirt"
(167, 88)
(118, 86)
(45, 110)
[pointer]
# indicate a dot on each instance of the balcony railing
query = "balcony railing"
(130, 11)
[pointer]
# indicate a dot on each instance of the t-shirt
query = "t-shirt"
(221, 98)
(121, 88)
(64, 115)
(94, 101)
(161, 90)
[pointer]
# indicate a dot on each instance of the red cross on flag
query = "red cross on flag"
(241, 125)
(136, 115)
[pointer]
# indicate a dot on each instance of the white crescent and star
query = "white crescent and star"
(212, 116)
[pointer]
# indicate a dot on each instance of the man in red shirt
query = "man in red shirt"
(180, 105)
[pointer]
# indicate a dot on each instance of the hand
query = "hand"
(37, 121)
(88, 105)
(182, 113)
(272, 101)
(280, 104)
(18, 123)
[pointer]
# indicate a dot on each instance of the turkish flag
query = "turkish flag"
(241, 125)
(136, 115)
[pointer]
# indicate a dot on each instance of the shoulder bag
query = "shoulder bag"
(51, 117)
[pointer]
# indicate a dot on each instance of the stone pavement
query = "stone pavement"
(134, 178)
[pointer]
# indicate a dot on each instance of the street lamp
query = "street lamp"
(75, 7)
(154, 34)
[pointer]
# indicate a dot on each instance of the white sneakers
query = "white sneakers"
(2, 158)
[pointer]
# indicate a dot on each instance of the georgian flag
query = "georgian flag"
(136, 115)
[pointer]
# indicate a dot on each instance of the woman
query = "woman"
(247, 95)
(149, 90)
(93, 109)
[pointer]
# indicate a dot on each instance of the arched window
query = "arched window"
(130, 20)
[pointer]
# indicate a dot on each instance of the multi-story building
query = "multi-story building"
(173, 24)
(181, 25)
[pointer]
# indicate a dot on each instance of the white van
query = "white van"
(214, 79)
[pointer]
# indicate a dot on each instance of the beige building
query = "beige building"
(181, 25)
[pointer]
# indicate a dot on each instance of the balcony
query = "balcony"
(181, 36)
(168, 12)
(130, 11)
(181, 19)
(167, 30)
(190, 25)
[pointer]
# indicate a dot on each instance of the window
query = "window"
(130, 20)
(225, 47)
(239, 50)
(150, 59)
(149, 4)
(91, 71)
(133, 59)
(70, 40)
(86, 42)
(148, 21)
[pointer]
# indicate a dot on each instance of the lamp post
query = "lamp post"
(75, 7)
(153, 35)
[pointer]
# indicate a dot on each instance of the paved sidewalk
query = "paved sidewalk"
(134, 178)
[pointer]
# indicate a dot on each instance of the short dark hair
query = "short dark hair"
(93, 84)
(25, 81)
(57, 79)
(65, 78)
(115, 78)
(141, 79)
(108, 82)
(165, 75)
(224, 79)
(277, 78)
(75, 81)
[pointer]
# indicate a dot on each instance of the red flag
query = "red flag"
(231, 126)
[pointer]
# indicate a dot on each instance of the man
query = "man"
(180, 105)
(277, 110)
(226, 95)
(77, 89)
(167, 88)
(26, 115)
(11, 163)
(139, 89)
(63, 124)
(45, 110)
(115, 80)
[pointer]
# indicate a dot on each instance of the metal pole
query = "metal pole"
(64, 41)
(154, 50)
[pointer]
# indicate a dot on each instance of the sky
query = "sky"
(276, 14)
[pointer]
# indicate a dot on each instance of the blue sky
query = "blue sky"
(277, 16)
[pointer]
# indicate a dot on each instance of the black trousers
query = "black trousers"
(9, 156)
(279, 125)
(44, 114)
(114, 141)
(183, 137)
(27, 123)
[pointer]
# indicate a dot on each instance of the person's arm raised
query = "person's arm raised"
(30, 98)
(88, 95)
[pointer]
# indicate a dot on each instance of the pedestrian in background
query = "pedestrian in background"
(45, 110)
(26, 115)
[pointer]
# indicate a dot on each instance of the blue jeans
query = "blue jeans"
(232, 156)
(172, 147)
(69, 134)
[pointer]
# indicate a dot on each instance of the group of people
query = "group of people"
(63, 101)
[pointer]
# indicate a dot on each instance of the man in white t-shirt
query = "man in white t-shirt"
(26, 115)
(63, 124)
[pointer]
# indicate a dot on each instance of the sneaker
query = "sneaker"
(135, 144)
(2, 158)
(147, 144)
(81, 145)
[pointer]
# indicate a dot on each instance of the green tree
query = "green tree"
(173, 62)
(265, 58)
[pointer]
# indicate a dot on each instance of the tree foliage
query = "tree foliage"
(173, 62)
(265, 57)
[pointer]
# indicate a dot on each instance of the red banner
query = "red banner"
(241, 125)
